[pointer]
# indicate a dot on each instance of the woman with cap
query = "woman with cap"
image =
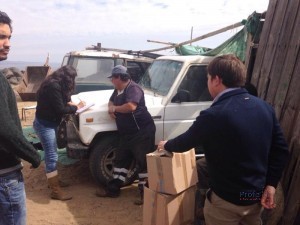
(136, 128)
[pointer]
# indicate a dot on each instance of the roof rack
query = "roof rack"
(98, 47)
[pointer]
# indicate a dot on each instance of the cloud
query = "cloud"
(59, 27)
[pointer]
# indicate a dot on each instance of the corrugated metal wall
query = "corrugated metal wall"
(276, 74)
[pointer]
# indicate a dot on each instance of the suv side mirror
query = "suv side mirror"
(181, 96)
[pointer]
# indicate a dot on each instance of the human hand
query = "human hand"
(112, 115)
(267, 199)
(111, 111)
(72, 103)
(81, 104)
(161, 145)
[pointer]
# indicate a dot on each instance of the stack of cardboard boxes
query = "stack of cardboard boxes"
(170, 198)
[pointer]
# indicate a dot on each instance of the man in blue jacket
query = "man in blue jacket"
(244, 147)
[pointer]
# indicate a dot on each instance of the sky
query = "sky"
(58, 27)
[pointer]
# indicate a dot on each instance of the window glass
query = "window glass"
(135, 71)
(195, 84)
(161, 75)
(93, 70)
(65, 61)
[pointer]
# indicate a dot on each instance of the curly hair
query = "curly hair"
(230, 69)
(65, 76)
(4, 18)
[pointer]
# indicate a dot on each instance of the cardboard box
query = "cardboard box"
(164, 209)
(172, 175)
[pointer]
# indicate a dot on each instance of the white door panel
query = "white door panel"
(180, 116)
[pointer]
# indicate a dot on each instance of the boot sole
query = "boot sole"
(61, 199)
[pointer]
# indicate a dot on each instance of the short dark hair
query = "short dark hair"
(230, 69)
(4, 18)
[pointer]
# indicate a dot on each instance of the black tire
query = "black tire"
(101, 161)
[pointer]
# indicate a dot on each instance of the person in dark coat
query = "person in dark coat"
(202, 171)
(243, 143)
(54, 101)
(13, 145)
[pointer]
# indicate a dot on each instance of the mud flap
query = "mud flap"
(75, 148)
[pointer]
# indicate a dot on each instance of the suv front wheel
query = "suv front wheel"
(101, 161)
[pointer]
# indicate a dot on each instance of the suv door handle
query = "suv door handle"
(156, 117)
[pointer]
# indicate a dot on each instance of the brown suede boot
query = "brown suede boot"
(63, 183)
(56, 191)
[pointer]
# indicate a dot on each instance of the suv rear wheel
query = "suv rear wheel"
(101, 161)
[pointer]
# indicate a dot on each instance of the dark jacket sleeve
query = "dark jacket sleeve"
(57, 102)
(278, 155)
(12, 138)
(200, 130)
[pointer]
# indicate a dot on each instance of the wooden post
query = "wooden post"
(191, 35)
(197, 38)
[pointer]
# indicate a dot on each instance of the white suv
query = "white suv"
(95, 64)
(175, 92)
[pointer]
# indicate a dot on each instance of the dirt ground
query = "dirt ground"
(85, 208)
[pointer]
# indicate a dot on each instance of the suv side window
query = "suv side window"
(135, 71)
(195, 84)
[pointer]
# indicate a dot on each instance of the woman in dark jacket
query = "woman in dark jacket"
(53, 101)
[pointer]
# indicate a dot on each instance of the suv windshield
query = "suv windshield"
(161, 75)
(92, 72)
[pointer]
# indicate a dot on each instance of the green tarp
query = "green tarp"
(31, 136)
(235, 45)
(191, 50)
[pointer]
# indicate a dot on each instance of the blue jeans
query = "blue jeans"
(12, 199)
(46, 131)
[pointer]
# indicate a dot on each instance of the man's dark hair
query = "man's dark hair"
(4, 18)
(230, 69)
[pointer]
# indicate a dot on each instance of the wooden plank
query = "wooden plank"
(252, 45)
(292, 94)
(230, 27)
(285, 53)
(256, 75)
(271, 48)
(289, 120)
(286, 61)
(291, 127)
(288, 126)
(162, 42)
(248, 54)
(293, 195)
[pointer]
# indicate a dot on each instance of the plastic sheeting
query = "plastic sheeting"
(32, 137)
(237, 44)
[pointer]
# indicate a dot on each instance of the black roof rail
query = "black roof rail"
(98, 47)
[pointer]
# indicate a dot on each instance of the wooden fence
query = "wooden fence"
(276, 74)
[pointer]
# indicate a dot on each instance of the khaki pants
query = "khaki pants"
(220, 212)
